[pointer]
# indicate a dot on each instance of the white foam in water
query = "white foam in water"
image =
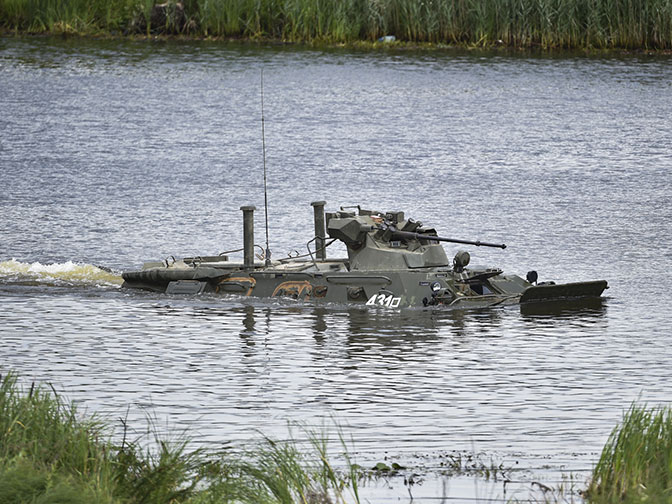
(68, 273)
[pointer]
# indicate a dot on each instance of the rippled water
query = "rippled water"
(112, 153)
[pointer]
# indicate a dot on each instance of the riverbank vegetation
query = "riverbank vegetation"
(627, 24)
(50, 453)
(636, 462)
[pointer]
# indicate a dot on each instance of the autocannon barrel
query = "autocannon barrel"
(421, 236)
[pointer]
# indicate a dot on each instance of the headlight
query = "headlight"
(436, 286)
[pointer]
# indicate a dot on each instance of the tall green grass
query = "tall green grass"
(50, 453)
(46, 451)
(61, 16)
(518, 23)
(636, 462)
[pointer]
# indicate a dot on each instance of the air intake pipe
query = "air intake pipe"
(320, 230)
(248, 235)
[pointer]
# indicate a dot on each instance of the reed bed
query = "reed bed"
(50, 453)
(631, 24)
(636, 462)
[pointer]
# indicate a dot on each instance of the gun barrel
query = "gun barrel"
(420, 236)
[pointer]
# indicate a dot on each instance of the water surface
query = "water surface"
(112, 153)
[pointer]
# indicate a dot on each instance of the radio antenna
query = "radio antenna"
(267, 253)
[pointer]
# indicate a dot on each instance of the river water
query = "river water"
(113, 153)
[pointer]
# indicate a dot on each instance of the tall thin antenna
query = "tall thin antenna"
(267, 253)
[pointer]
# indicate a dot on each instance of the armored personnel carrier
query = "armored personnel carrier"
(391, 262)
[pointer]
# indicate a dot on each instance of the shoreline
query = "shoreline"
(363, 45)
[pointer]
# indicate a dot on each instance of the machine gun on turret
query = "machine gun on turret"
(388, 241)
(352, 229)
(396, 234)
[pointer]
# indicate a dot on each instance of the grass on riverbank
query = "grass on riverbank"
(636, 462)
(628, 24)
(50, 453)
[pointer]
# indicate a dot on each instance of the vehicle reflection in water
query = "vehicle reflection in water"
(369, 330)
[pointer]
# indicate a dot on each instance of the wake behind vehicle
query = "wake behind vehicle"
(391, 261)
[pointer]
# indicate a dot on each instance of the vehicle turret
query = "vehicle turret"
(373, 241)
(388, 241)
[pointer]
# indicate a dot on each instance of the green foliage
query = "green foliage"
(278, 472)
(167, 475)
(636, 462)
(65, 16)
(39, 427)
(21, 481)
(49, 454)
(518, 23)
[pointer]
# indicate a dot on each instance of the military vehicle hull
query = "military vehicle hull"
(392, 263)
(324, 283)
